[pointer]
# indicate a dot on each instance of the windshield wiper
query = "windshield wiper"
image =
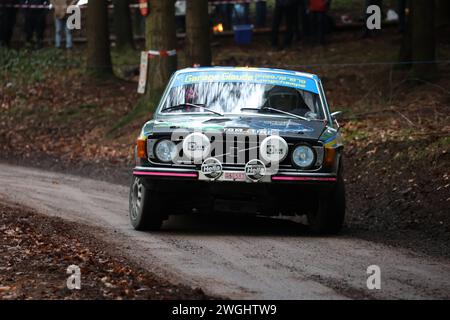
(279, 111)
(191, 105)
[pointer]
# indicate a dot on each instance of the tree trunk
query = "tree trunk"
(160, 36)
(419, 44)
(423, 39)
(98, 51)
(122, 25)
(442, 13)
(198, 49)
(406, 45)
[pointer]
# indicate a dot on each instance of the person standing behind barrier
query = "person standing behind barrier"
(60, 7)
(35, 20)
(402, 6)
(318, 10)
(289, 10)
(8, 16)
(225, 12)
(180, 15)
(241, 13)
(261, 12)
(302, 26)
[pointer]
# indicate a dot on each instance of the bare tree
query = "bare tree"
(442, 13)
(160, 36)
(198, 50)
(98, 51)
(423, 38)
(122, 25)
(419, 41)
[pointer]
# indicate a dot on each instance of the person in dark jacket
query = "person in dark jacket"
(287, 9)
(302, 27)
(402, 6)
(241, 13)
(8, 14)
(261, 12)
(35, 21)
(224, 11)
(318, 13)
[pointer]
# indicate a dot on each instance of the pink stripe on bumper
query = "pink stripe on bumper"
(290, 178)
(165, 174)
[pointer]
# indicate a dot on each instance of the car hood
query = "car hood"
(250, 125)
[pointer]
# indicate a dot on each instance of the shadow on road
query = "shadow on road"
(234, 224)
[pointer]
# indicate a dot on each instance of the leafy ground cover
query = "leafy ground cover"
(35, 252)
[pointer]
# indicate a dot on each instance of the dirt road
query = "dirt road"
(237, 258)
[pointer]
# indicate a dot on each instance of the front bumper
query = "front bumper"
(284, 192)
(237, 176)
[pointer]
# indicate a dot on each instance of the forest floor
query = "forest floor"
(397, 132)
(36, 251)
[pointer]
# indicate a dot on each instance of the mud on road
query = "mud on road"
(255, 258)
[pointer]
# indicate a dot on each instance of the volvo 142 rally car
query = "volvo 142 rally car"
(242, 140)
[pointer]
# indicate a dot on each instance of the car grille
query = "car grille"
(235, 154)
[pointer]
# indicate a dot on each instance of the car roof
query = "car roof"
(250, 69)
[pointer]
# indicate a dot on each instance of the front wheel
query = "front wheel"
(145, 207)
(328, 217)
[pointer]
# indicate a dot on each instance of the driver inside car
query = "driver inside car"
(287, 99)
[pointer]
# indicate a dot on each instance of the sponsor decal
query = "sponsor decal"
(255, 170)
(212, 168)
(194, 146)
(274, 150)
(248, 76)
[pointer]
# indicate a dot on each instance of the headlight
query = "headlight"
(303, 157)
(165, 150)
(196, 146)
(273, 149)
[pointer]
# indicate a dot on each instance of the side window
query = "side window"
(325, 108)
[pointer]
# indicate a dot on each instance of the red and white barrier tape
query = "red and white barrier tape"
(234, 1)
(145, 56)
(163, 53)
(49, 6)
(134, 6)
(26, 6)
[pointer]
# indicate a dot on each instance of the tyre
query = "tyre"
(145, 207)
(328, 217)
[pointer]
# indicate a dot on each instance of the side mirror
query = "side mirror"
(336, 115)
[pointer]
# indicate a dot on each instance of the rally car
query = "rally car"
(241, 140)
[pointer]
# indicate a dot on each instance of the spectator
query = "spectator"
(60, 7)
(318, 12)
(368, 33)
(302, 27)
(7, 21)
(241, 13)
(35, 21)
(261, 11)
(138, 23)
(224, 11)
(287, 9)
(180, 15)
(402, 5)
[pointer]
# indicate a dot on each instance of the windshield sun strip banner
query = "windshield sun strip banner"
(276, 79)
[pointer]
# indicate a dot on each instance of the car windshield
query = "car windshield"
(242, 97)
